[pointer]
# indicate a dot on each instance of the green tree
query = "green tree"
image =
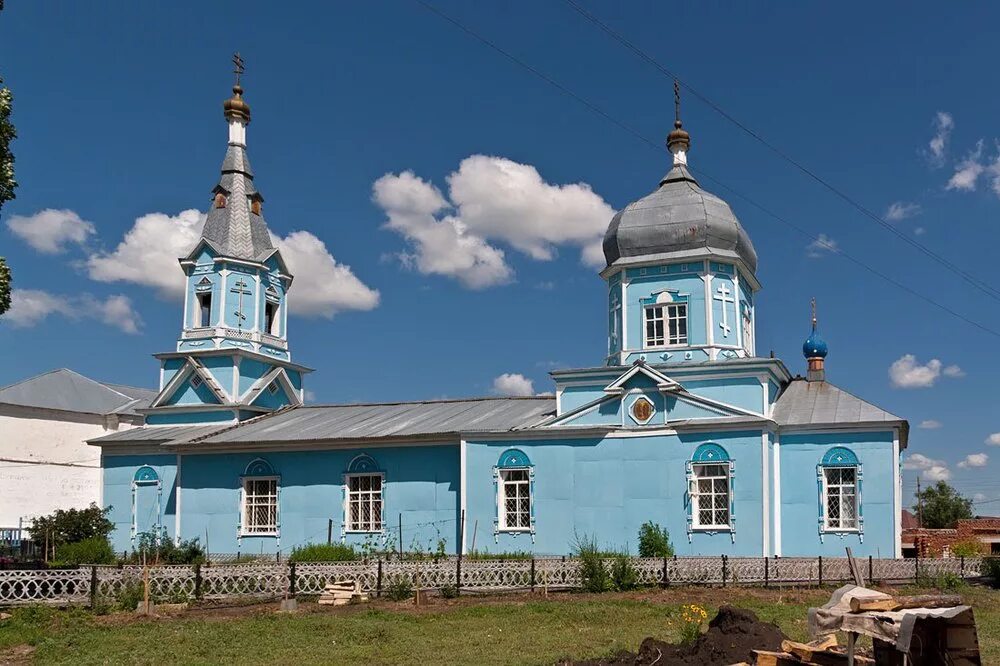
(72, 525)
(7, 182)
(941, 506)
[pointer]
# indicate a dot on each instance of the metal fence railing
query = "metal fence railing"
(93, 584)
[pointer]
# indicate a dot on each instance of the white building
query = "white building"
(45, 422)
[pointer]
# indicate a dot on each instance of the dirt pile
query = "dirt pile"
(732, 636)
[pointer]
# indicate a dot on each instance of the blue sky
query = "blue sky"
(118, 109)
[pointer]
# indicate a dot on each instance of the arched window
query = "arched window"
(710, 476)
(147, 495)
(364, 485)
(514, 478)
(839, 479)
(259, 499)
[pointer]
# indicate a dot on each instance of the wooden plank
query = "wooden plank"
(900, 603)
(807, 650)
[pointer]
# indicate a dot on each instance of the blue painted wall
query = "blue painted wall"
(420, 482)
(609, 487)
(800, 494)
(118, 472)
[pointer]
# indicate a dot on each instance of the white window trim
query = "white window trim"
(857, 503)
(347, 501)
(666, 326)
(501, 496)
(696, 525)
(244, 532)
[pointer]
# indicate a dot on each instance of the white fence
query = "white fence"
(270, 580)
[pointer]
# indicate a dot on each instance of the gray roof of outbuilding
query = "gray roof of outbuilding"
(805, 403)
(157, 434)
(677, 220)
(69, 391)
(235, 230)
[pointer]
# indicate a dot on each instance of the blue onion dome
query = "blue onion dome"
(814, 346)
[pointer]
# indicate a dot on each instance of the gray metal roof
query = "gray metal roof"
(235, 230)
(157, 434)
(363, 421)
(70, 391)
(679, 219)
(405, 419)
(805, 403)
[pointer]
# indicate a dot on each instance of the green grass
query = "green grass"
(484, 631)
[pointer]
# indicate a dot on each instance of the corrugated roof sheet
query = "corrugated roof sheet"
(820, 403)
(375, 421)
(70, 391)
(157, 434)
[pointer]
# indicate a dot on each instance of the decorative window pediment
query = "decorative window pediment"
(362, 464)
(259, 467)
(145, 475)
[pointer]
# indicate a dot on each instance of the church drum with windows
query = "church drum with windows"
(681, 423)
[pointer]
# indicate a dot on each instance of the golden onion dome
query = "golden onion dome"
(236, 106)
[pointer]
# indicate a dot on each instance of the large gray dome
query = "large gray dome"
(678, 220)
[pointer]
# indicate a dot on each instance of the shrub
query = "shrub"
(95, 550)
(991, 571)
(324, 552)
(399, 589)
(72, 525)
(624, 576)
(967, 549)
(130, 596)
(654, 541)
(153, 547)
(593, 574)
(949, 581)
(449, 592)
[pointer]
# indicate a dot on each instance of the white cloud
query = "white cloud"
(512, 383)
(968, 171)
(49, 231)
(322, 286)
(930, 424)
(490, 200)
(148, 254)
(974, 460)
(994, 439)
(930, 469)
(979, 497)
(919, 231)
(440, 246)
(906, 372)
(943, 125)
(821, 246)
(900, 210)
(504, 200)
(30, 307)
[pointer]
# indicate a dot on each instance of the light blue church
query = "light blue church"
(681, 423)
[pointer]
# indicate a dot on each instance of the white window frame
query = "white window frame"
(696, 495)
(665, 317)
(827, 487)
(350, 528)
(269, 530)
(502, 483)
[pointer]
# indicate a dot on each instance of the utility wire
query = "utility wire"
(637, 134)
(965, 275)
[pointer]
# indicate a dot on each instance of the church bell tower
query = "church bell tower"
(232, 360)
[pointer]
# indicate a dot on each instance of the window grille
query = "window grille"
(260, 506)
(364, 503)
(515, 499)
(710, 496)
(841, 498)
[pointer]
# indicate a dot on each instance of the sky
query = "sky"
(443, 204)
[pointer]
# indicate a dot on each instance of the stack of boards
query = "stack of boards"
(341, 593)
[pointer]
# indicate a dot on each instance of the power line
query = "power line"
(965, 275)
(637, 134)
